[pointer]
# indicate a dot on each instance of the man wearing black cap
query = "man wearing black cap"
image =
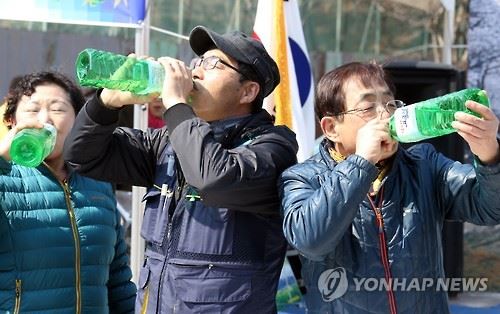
(212, 227)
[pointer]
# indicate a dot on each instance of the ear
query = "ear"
(250, 90)
(329, 128)
(10, 122)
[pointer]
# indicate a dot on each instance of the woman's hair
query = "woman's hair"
(27, 84)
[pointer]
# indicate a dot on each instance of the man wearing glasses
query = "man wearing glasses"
(212, 226)
(366, 215)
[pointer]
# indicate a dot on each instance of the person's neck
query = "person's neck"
(58, 168)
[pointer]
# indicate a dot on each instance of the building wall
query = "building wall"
(23, 51)
(482, 244)
(484, 49)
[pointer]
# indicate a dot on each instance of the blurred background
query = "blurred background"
(336, 31)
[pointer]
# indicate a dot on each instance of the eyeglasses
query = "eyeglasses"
(370, 109)
(210, 63)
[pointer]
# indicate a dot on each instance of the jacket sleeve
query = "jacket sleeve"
(121, 290)
(317, 215)
(243, 178)
(469, 193)
(98, 149)
(5, 240)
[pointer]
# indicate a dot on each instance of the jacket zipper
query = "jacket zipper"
(17, 305)
(383, 251)
(76, 238)
(169, 234)
(71, 212)
(163, 268)
(209, 266)
(177, 199)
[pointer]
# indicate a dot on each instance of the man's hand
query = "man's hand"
(479, 133)
(178, 82)
(117, 99)
(373, 141)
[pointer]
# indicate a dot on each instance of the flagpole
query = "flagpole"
(140, 122)
(338, 26)
(180, 25)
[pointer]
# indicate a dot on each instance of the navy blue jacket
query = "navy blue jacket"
(330, 220)
(212, 225)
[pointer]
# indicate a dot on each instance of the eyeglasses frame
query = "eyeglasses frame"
(386, 108)
(200, 61)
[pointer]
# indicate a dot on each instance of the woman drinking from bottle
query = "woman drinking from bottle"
(61, 242)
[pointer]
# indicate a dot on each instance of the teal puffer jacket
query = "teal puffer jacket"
(351, 246)
(61, 245)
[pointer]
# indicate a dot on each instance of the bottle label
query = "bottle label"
(405, 121)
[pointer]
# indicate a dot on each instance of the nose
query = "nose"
(197, 72)
(44, 117)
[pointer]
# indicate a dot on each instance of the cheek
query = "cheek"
(21, 116)
(63, 124)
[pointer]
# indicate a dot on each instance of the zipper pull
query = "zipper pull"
(67, 189)
(169, 230)
(165, 191)
(193, 197)
(380, 221)
(18, 288)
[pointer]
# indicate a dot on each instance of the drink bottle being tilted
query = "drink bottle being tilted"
(31, 146)
(102, 69)
(433, 117)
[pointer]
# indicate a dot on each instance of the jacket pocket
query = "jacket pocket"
(155, 221)
(213, 290)
(206, 230)
(148, 284)
(143, 291)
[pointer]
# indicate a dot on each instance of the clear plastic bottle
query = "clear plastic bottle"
(433, 117)
(102, 69)
(31, 146)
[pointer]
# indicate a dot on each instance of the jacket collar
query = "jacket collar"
(243, 129)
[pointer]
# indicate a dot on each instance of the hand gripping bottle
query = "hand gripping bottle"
(30, 146)
(101, 69)
(433, 117)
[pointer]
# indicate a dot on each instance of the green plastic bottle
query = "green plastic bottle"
(31, 146)
(102, 69)
(433, 117)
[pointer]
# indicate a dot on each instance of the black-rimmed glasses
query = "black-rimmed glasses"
(210, 63)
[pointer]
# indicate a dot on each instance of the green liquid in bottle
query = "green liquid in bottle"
(433, 117)
(31, 146)
(101, 69)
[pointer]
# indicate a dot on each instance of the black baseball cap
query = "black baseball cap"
(243, 49)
